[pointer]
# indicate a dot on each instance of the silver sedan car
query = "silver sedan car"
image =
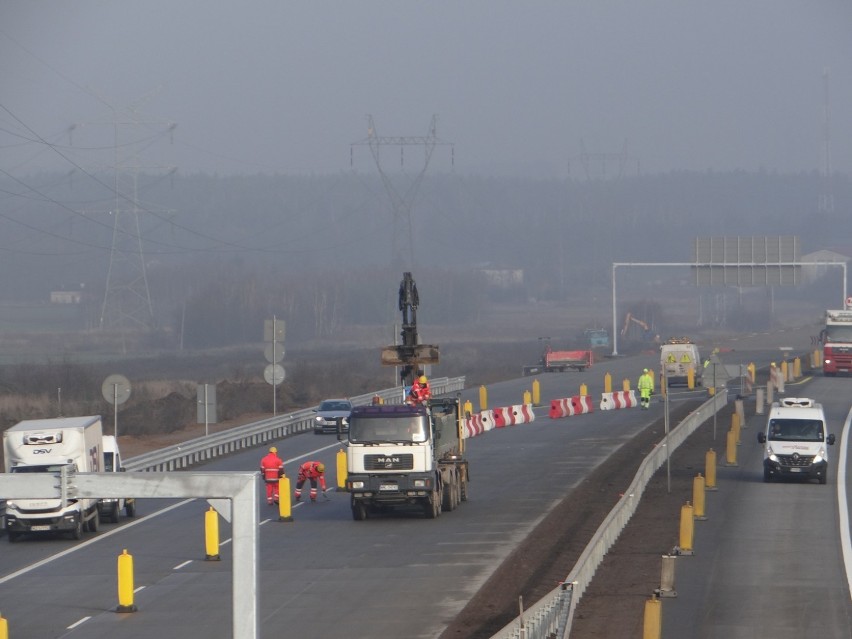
(327, 414)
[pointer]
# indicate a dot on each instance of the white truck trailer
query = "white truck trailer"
(60, 445)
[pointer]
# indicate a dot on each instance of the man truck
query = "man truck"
(836, 339)
(406, 455)
(64, 445)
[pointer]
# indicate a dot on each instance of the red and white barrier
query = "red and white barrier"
(618, 399)
(576, 405)
(511, 415)
(478, 424)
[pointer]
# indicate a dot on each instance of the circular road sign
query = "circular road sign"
(273, 374)
(116, 389)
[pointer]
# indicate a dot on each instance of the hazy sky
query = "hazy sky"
(519, 88)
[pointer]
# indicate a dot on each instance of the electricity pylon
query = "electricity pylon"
(127, 297)
(401, 202)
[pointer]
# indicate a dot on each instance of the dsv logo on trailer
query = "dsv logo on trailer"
(41, 451)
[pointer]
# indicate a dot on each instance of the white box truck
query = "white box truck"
(48, 446)
(796, 440)
(679, 356)
(111, 508)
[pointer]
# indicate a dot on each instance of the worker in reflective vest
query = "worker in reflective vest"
(646, 387)
(272, 469)
(420, 391)
(314, 472)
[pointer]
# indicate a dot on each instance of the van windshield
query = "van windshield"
(798, 430)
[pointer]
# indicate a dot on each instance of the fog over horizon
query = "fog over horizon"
(519, 89)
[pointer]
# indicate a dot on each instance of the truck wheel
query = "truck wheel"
(77, 531)
(359, 510)
(449, 497)
(129, 508)
(767, 476)
(95, 522)
(463, 492)
(113, 513)
(432, 506)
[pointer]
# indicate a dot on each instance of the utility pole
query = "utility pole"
(401, 201)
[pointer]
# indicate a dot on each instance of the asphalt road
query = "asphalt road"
(324, 574)
(770, 558)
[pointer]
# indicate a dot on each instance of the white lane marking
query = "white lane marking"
(842, 505)
(77, 623)
(179, 566)
(139, 589)
(59, 555)
(94, 540)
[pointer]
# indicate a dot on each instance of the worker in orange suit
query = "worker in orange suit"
(420, 391)
(272, 469)
(312, 471)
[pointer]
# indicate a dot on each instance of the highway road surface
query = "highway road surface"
(324, 574)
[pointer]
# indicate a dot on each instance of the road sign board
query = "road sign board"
(273, 374)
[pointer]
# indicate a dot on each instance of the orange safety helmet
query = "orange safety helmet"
(422, 379)
(272, 449)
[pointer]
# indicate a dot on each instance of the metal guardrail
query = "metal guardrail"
(549, 617)
(202, 449)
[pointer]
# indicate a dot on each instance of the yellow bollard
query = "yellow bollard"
(608, 383)
(536, 392)
(652, 626)
(698, 497)
(687, 529)
(797, 368)
(483, 398)
(125, 583)
(341, 469)
(690, 378)
(285, 509)
(752, 372)
(816, 359)
(735, 426)
(731, 449)
(625, 384)
(4, 628)
(527, 397)
(711, 390)
(211, 535)
(584, 390)
(710, 470)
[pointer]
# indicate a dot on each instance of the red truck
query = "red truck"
(836, 339)
(559, 361)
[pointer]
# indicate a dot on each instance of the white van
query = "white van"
(795, 441)
(677, 357)
(110, 508)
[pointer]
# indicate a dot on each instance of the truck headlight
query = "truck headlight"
(357, 484)
(420, 483)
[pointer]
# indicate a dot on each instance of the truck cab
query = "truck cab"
(403, 455)
(795, 440)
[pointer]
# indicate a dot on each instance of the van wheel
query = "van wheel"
(13, 537)
(113, 513)
(767, 476)
(129, 508)
(824, 477)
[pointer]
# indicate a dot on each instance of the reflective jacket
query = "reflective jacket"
(272, 467)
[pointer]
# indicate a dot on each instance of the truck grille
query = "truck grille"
(389, 462)
(796, 460)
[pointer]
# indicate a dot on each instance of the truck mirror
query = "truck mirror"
(830, 439)
(761, 438)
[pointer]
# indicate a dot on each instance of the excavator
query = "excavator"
(647, 334)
